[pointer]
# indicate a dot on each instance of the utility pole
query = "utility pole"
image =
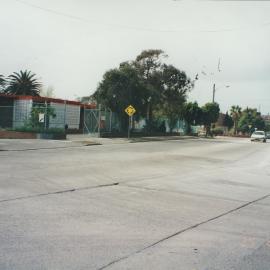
(45, 115)
(99, 119)
(65, 114)
(214, 92)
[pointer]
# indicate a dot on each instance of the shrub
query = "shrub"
(217, 131)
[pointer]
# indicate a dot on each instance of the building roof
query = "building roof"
(47, 99)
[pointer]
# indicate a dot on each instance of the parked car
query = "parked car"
(258, 136)
(268, 135)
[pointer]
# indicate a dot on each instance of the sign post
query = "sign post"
(130, 110)
(129, 120)
(41, 117)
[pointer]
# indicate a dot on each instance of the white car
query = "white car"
(258, 136)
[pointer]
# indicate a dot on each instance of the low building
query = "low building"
(15, 111)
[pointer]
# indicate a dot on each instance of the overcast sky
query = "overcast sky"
(69, 44)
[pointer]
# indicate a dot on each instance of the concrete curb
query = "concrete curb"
(165, 138)
(107, 141)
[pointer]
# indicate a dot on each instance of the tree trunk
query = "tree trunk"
(207, 131)
(235, 127)
(188, 128)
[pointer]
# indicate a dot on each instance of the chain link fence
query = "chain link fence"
(100, 121)
(26, 114)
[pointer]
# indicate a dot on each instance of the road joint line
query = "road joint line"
(58, 192)
(183, 231)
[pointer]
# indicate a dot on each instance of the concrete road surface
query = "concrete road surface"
(183, 205)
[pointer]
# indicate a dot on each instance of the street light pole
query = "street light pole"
(215, 89)
(214, 92)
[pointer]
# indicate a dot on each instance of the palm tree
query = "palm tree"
(236, 112)
(23, 83)
(2, 83)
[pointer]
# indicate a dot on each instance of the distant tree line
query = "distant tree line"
(157, 90)
(247, 120)
(206, 115)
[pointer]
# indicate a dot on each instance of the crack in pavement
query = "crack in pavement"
(59, 192)
(182, 231)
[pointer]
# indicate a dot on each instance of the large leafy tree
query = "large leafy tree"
(23, 83)
(149, 61)
(236, 112)
(154, 88)
(210, 114)
(192, 114)
(119, 88)
(149, 65)
(175, 87)
(251, 119)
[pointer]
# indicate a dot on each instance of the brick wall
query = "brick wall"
(16, 135)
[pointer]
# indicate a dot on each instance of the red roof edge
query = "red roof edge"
(55, 100)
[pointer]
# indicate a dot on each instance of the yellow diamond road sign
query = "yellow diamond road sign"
(130, 110)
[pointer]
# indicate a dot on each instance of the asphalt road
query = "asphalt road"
(183, 205)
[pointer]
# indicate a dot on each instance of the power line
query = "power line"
(134, 28)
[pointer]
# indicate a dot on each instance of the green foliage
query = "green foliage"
(228, 121)
(149, 85)
(175, 86)
(155, 125)
(217, 131)
(210, 114)
(33, 121)
(150, 57)
(250, 120)
(148, 63)
(236, 112)
(149, 66)
(2, 83)
(23, 83)
(192, 114)
(120, 88)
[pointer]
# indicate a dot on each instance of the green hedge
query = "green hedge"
(217, 131)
